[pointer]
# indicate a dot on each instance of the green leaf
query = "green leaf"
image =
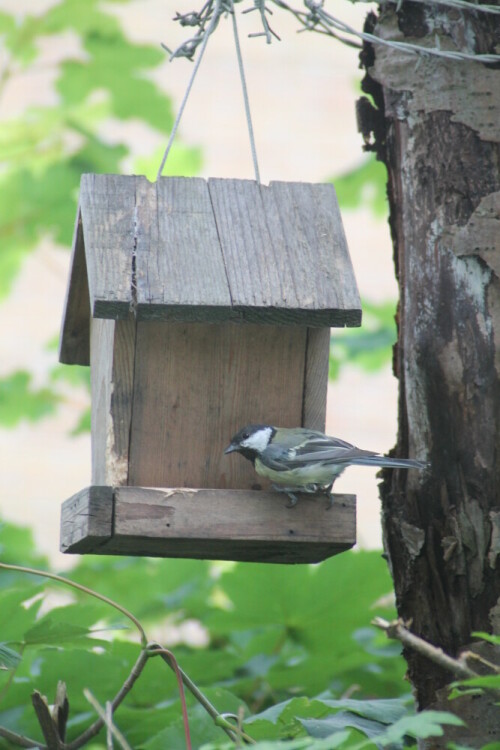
(495, 639)
(422, 725)
(47, 632)
(183, 160)
(17, 543)
(83, 424)
(340, 739)
(368, 347)
(384, 710)
(341, 721)
(364, 185)
(18, 611)
(19, 401)
(292, 613)
(8, 657)
(491, 681)
(118, 67)
(74, 375)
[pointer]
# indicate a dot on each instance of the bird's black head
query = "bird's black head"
(251, 440)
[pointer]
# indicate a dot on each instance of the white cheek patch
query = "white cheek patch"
(259, 440)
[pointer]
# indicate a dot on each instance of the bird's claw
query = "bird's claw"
(288, 491)
(310, 489)
(328, 493)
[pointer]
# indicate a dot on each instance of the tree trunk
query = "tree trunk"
(436, 125)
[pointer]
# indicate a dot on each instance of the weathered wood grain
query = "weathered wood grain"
(227, 525)
(112, 383)
(257, 275)
(316, 378)
(86, 520)
(307, 218)
(101, 372)
(196, 385)
(183, 250)
(74, 346)
(285, 253)
(179, 260)
(109, 226)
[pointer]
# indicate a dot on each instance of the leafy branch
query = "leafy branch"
(54, 731)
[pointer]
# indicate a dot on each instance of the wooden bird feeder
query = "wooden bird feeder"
(201, 307)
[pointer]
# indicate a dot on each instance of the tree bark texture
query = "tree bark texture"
(436, 125)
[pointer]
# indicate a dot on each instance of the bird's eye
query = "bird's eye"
(246, 435)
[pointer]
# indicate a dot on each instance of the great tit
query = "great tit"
(301, 460)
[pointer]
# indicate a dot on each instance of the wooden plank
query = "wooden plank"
(307, 219)
(196, 385)
(74, 348)
(86, 520)
(285, 253)
(232, 250)
(230, 525)
(112, 382)
(316, 378)
(257, 275)
(109, 227)
(102, 334)
(180, 268)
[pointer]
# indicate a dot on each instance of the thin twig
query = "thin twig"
(172, 663)
(219, 720)
(103, 714)
(466, 655)
(20, 740)
(96, 727)
(109, 721)
(399, 632)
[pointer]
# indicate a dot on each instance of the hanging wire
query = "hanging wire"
(313, 17)
(245, 95)
(217, 10)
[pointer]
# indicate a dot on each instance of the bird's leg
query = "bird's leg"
(309, 489)
(328, 493)
(288, 491)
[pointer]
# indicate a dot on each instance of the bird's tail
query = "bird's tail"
(395, 463)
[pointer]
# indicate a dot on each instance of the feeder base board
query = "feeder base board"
(242, 525)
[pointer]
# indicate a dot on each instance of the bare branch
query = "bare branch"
(20, 740)
(399, 632)
(96, 727)
(47, 724)
(107, 719)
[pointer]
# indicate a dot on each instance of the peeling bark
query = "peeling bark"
(436, 125)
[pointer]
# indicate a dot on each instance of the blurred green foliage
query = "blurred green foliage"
(368, 347)
(267, 637)
(364, 186)
(44, 150)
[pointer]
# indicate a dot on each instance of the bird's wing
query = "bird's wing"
(316, 448)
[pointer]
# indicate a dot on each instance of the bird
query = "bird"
(298, 460)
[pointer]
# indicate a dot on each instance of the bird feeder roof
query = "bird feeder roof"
(187, 249)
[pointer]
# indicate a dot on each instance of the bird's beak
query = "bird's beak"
(231, 448)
